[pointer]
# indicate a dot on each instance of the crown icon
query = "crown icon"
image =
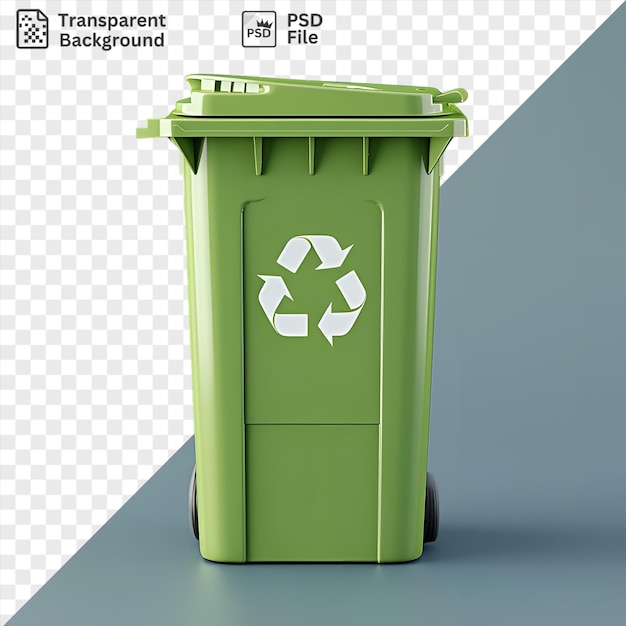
(264, 24)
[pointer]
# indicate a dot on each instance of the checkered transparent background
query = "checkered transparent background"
(95, 381)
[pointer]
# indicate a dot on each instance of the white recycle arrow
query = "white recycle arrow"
(270, 297)
(326, 247)
(333, 323)
(337, 324)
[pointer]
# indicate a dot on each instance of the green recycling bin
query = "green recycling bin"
(311, 215)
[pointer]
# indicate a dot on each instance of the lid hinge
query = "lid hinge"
(257, 143)
(311, 156)
(191, 149)
(366, 156)
(436, 148)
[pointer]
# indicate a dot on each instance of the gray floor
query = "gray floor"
(143, 567)
(528, 416)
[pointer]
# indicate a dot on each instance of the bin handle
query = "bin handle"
(454, 96)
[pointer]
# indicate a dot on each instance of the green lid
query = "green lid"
(245, 96)
(243, 106)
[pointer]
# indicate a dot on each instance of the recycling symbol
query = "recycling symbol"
(333, 323)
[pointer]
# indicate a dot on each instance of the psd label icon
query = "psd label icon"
(258, 29)
(332, 323)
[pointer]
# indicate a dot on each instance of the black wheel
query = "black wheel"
(193, 504)
(431, 514)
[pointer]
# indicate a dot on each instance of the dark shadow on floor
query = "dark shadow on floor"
(505, 542)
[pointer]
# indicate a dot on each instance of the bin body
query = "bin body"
(311, 245)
